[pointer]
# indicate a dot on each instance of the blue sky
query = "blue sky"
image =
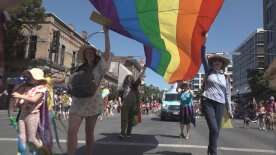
(236, 20)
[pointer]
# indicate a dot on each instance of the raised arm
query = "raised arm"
(204, 59)
(107, 53)
(141, 74)
(228, 96)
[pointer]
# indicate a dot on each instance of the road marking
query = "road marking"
(162, 145)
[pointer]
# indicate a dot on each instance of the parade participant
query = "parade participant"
(270, 108)
(130, 99)
(187, 115)
(65, 101)
(251, 112)
(261, 115)
(86, 94)
(52, 79)
(216, 96)
(30, 102)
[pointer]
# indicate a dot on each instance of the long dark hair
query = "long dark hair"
(83, 52)
(128, 80)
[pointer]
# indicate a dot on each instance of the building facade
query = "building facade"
(197, 82)
(56, 43)
(270, 29)
(250, 55)
(123, 66)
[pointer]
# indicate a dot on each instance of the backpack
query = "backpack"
(82, 82)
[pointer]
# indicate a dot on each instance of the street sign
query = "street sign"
(98, 18)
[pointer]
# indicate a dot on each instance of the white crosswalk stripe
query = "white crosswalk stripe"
(248, 150)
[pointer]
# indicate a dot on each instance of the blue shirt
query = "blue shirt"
(186, 98)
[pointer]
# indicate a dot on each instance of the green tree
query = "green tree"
(258, 85)
(27, 15)
(150, 93)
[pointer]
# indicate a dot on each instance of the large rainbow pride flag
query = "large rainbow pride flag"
(172, 31)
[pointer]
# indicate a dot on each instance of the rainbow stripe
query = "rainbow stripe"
(171, 31)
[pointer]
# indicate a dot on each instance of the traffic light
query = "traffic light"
(55, 42)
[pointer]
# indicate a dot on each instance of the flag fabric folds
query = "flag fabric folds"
(172, 31)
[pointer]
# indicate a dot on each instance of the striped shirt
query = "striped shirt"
(217, 86)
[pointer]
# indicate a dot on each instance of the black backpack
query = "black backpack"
(82, 82)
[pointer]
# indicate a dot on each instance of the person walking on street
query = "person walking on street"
(86, 94)
(261, 115)
(187, 115)
(130, 99)
(30, 102)
(270, 110)
(216, 96)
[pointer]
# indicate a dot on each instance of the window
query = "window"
(32, 47)
(270, 37)
(171, 97)
(269, 14)
(56, 58)
(73, 59)
(260, 38)
(62, 52)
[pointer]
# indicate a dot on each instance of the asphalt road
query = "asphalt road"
(155, 137)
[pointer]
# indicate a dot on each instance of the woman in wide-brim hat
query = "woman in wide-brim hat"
(216, 95)
(88, 107)
(218, 58)
(30, 102)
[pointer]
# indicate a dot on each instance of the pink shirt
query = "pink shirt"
(28, 107)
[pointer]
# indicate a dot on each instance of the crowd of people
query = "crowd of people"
(114, 106)
(262, 113)
(62, 104)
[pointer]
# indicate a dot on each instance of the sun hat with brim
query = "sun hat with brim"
(213, 57)
(37, 74)
(85, 48)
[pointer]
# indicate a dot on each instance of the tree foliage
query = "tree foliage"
(150, 93)
(27, 15)
(258, 85)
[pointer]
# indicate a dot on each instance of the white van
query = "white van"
(170, 104)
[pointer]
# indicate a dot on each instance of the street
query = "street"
(155, 137)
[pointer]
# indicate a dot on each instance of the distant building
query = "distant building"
(248, 56)
(55, 43)
(55, 46)
(122, 66)
(269, 8)
(197, 82)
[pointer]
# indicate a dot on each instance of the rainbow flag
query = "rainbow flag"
(171, 31)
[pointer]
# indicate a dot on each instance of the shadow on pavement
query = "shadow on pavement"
(169, 120)
(170, 153)
(112, 144)
(169, 136)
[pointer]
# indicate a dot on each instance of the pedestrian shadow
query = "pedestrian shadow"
(168, 120)
(112, 144)
(169, 153)
(169, 136)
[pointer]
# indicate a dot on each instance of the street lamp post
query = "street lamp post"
(92, 34)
